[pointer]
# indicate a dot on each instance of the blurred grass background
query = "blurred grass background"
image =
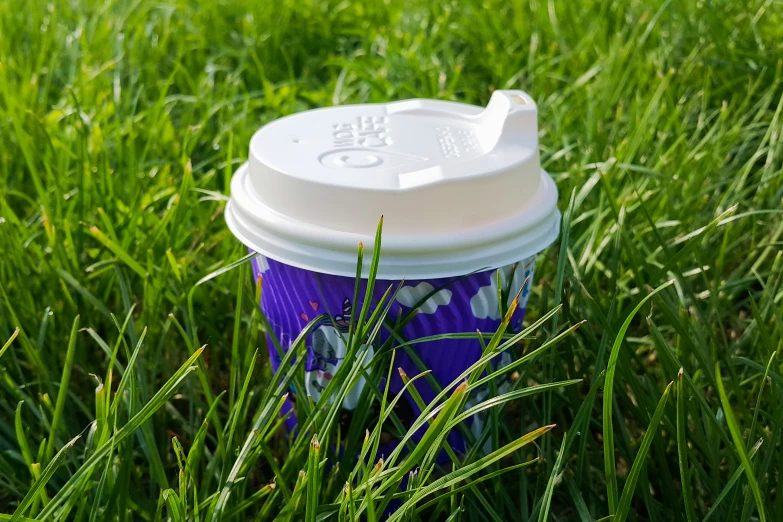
(121, 124)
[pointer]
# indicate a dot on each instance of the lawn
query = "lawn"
(135, 383)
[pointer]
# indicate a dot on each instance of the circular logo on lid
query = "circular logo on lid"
(363, 158)
(351, 159)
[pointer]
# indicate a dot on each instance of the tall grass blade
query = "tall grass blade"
(608, 428)
(739, 445)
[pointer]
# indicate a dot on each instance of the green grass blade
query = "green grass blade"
(41, 482)
(433, 433)
(464, 473)
(235, 417)
(21, 439)
(510, 396)
(236, 362)
(84, 292)
(9, 341)
(118, 251)
(263, 492)
(474, 482)
(579, 502)
(739, 445)
(313, 480)
(62, 394)
(608, 430)
(222, 270)
(174, 504)
(730, 484)
(368, 294)
(682, 449)
(623, 507)
(156, 402)
(546, 500)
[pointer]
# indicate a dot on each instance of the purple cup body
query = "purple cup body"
(292, 296)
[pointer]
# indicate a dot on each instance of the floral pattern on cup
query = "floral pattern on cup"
(484, 304)
(326, 354)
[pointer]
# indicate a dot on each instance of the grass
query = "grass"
(134, 379)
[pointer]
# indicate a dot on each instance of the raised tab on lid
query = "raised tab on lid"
(442, 173)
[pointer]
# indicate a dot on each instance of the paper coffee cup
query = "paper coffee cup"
(462, 194)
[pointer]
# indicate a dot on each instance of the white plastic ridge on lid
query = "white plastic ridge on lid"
(460, 187)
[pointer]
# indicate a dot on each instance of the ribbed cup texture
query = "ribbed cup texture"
(291, 297)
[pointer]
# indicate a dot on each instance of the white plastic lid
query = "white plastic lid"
(460, 187)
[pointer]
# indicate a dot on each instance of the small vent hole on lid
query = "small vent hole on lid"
(517, 99)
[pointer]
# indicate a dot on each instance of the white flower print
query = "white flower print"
(329, 351)
(485, 303)
(410, 295)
